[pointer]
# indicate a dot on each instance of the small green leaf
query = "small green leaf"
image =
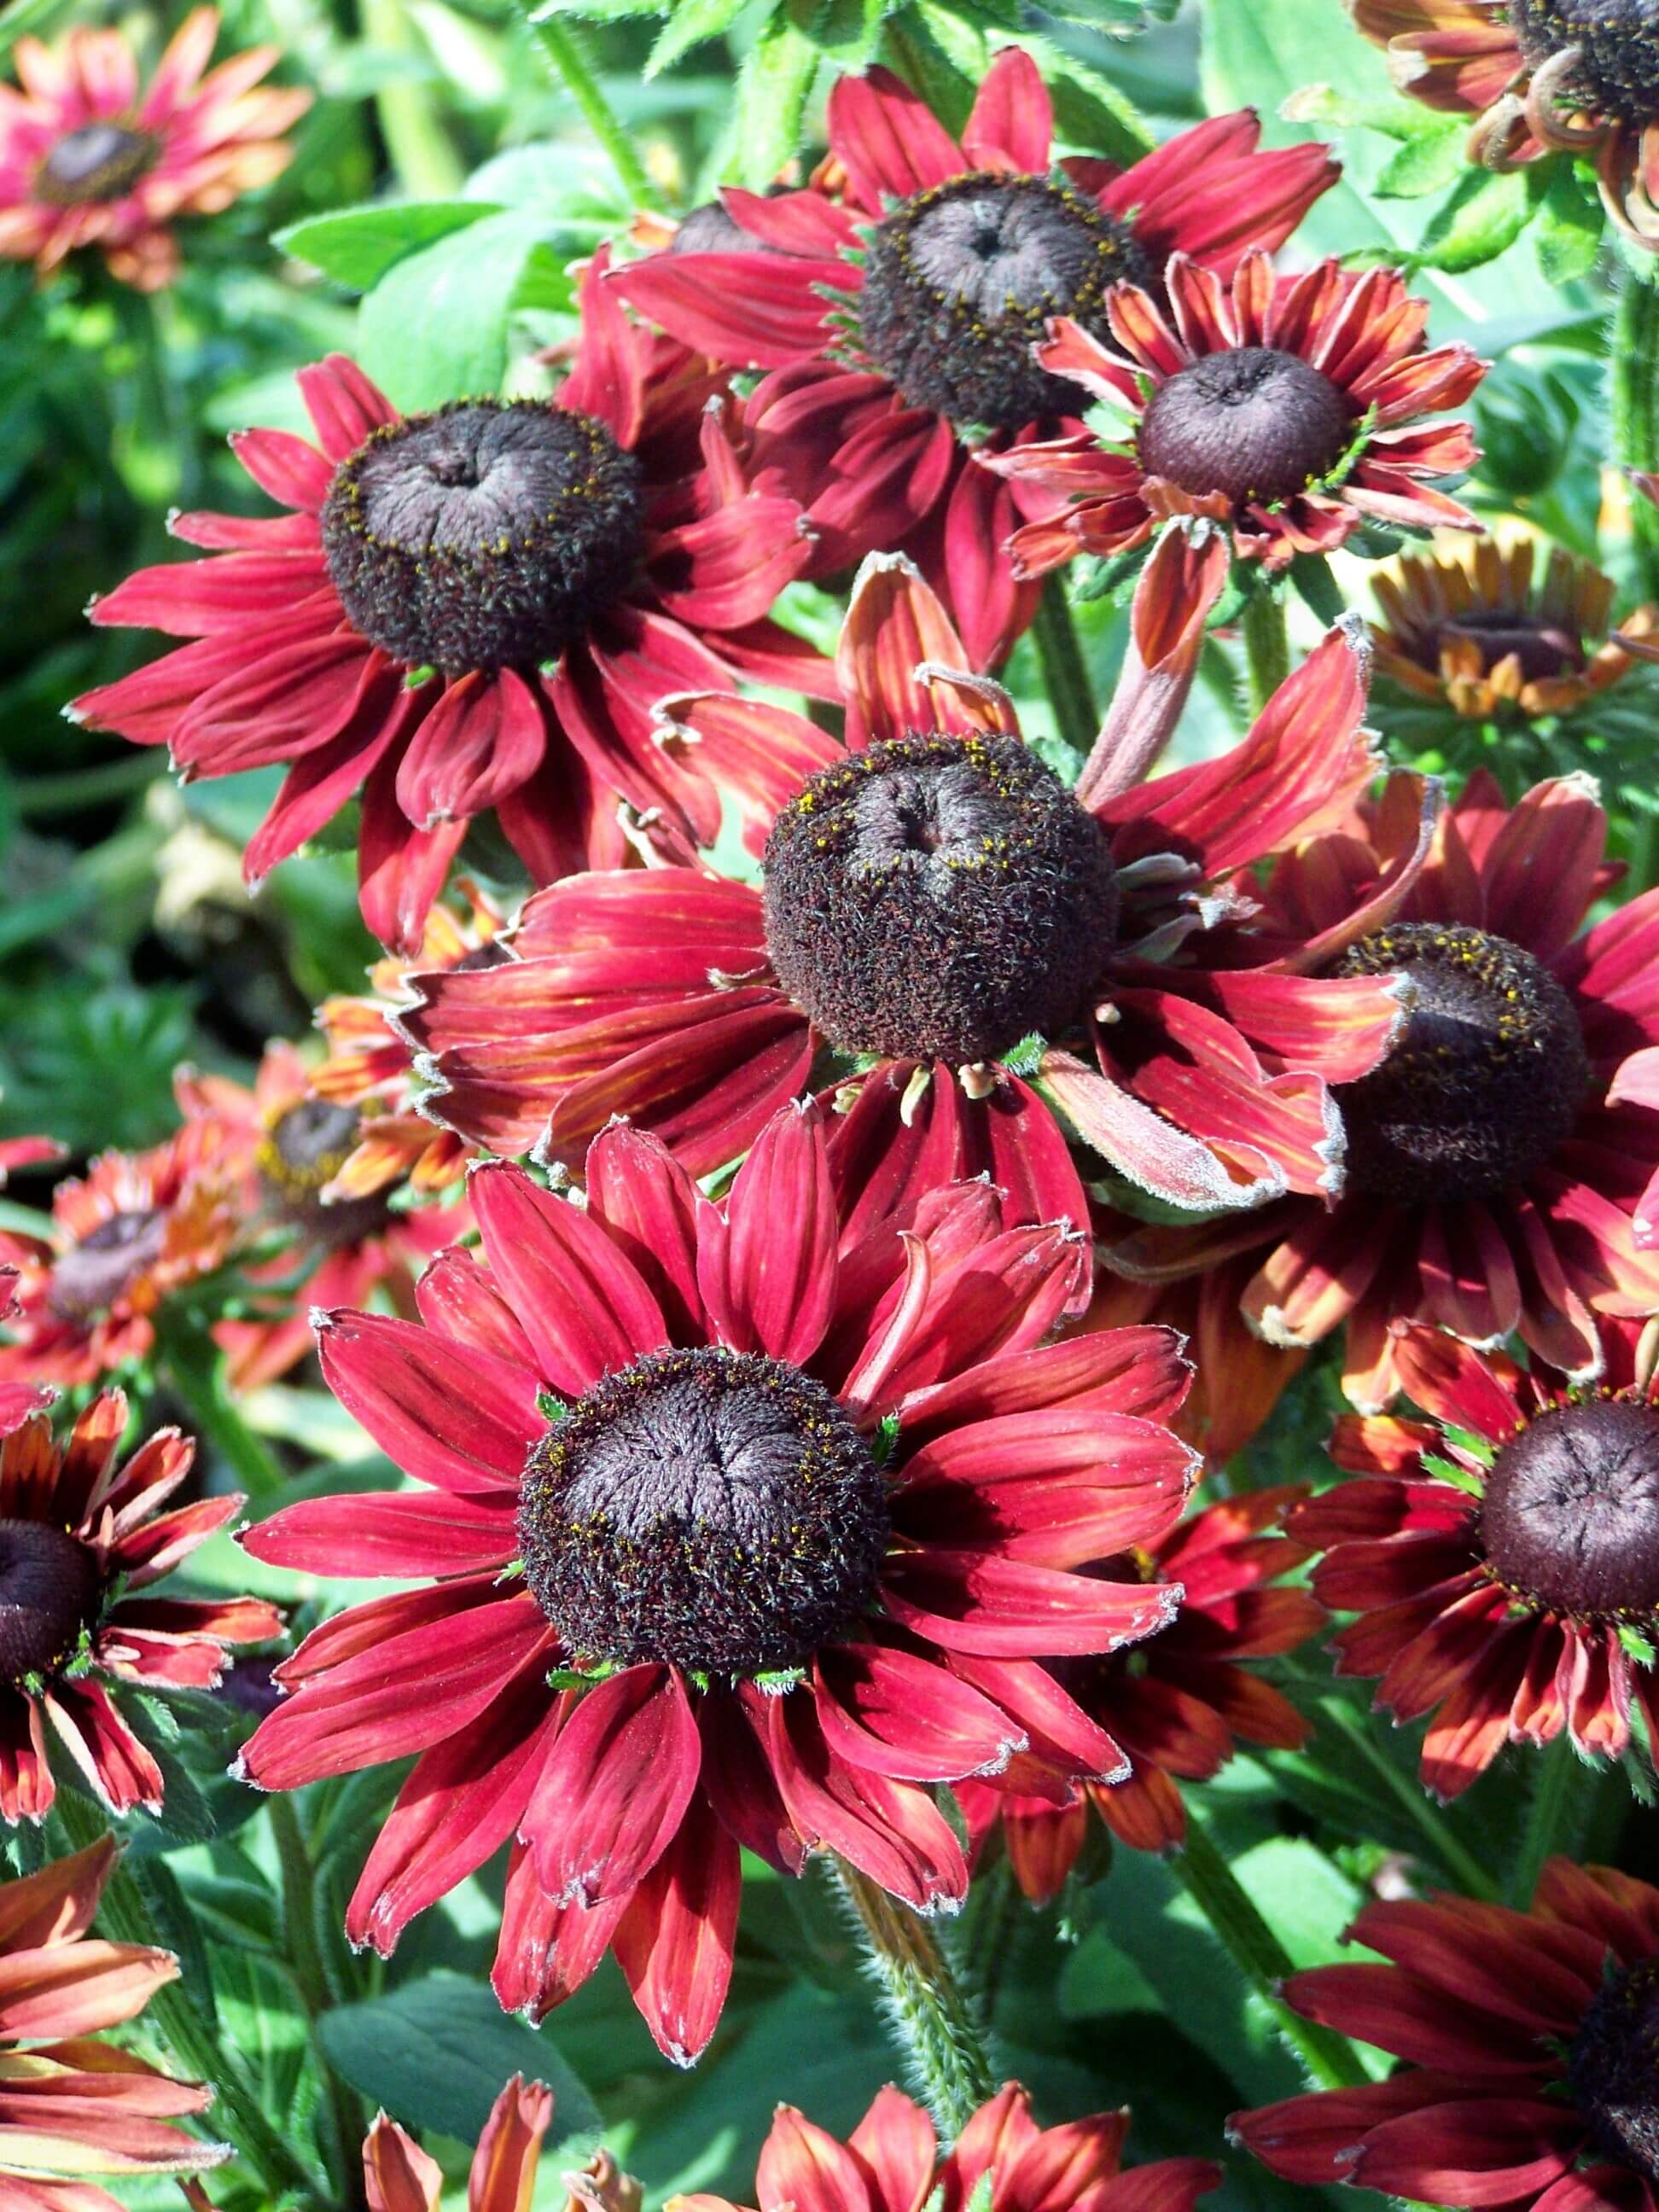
(1479, 219)
(688, 26)
(1424, 165)
(358, 245)
(774, 87)
(1570, 224)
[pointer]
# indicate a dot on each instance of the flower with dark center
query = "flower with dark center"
(1486, 1080)
(1500, 1160)
(488, 535)
(701, 1566)
(1291, 412)
(1614, 49)
(959, 282)
(903, 289)
(938, 898)
(90, 158)
(469, 612)
(90, 1276)
(941, 913)
(308, 1144)
(712, 1510)
(86, 1544)
(1530, 2051)
(1570, 1516)
(1473, 633)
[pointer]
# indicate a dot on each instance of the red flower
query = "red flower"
(1499, 1163)
(495, 659)
(1074, 954)
(1502, 1557)
(1528, 2043)
(899, 345)
(76, 2105)
(138, 1228)
(1541, 77)
(891, 2163)
(82, 1542)
(1174, 1704)
(292, 1146)
(90, 158)
(1291, 410)
(746, 1525)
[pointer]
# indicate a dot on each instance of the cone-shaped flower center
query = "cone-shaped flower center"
(1569, 1517)
(959, 282)
(100, 161)
(1251, 426)
(91, 1275)
(939, 897)
(711, 1510)
(1612, 2069)
(1486, 1080)
(303, 1151)
(484, 536)
(1543, 649)
(1616, 69)
(50, 1586)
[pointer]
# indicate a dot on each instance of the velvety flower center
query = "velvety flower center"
(1542, 648)
(938, 898)
(1252, 426)
(959, 282)
(49, 1587)
(304, 1149)
(1486, 1080)
(1612, 2069)
(1570, 1516)
(99, 162)
(1617, 69)
(485, 535)
(710, 1510)
(92, 1275)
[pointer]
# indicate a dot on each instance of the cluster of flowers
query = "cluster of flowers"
(750, 1508)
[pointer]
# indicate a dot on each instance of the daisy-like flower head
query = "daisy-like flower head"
(1528, 2038)
(1475, 634)
(948, 941)
(83, 1542)
(745, 1524)
(1502, 1557)
(89, 156)
(891, 2162)
(942, 261)
(1500, 1160)
(372, 1067)
(471, 608)
(134, 1230)
(76, 2106)
(294, 1146)
(1175, 1703)
(1293, 411)
(1539, 76)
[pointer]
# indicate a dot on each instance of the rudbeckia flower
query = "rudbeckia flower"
(742, 1525)
(896, 299)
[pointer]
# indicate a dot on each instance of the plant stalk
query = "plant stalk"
(1267, 644)
(930, 2014)
(1456, 1860)
(564, 56)
(426, 163)
(342, 2122)
(1633, 374)
(1065, 672)
(191, 1362)
(1556, 1811)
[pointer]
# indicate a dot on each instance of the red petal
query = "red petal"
(675, 1941)
(768, 1271)
(445, 1412)
(478, 744)
(615, 1788)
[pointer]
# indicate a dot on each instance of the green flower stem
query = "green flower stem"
(1633, 373)
(1328, 2059)
(987, 1933)
(194, 1369)
(1455, 1857)
(929, 2014)
(37, 796)
(1065, 674)
(564, 56)
(426, 163)
(1557, 1810)
(1267, 643)
(124, 1918)
(341, 2128)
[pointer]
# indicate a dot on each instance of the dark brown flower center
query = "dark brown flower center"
(1570, 1516)
(1544, 649)
(1486, 1080)
(939, 897)
(710, 229)
(92, 1275)
(1252, 426)
(1612, 2069)
(710, 1510)
(1616, 70)
(305, 1149)
(960, 281)
(485, 535)
(98, 162)
(50, 1588)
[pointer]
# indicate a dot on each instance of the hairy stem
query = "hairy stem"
(1556, 1812)
(341, 2124)
(1328, 2059)
(1633, 373)
(1267, 644)
(929, 2014)
(1065, 674)
(565, 58)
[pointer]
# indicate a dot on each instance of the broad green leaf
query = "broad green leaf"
(436, 327)
(1482, 217)
(774, 87)
(357, 246)
(1570, 224)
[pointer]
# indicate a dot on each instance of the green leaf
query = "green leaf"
(436, 327)
(435, 2053)
(1570, 224)
(774, 87)
(691, 23)
(358, 245)
(1424, 165)
(1480, 219)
